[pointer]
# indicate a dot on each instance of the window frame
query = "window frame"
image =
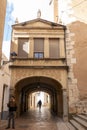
(38, 52)
(50, 47)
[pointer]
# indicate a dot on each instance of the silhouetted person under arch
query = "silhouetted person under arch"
(39, 104)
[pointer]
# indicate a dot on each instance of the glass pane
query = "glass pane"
(38, 55)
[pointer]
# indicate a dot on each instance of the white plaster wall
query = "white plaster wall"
(4, 80)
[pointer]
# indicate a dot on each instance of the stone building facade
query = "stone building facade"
(56, 66)
(43, 59)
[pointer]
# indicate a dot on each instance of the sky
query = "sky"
(26, 10)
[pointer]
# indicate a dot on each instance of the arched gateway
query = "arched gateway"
(32, 84)
(58, 95)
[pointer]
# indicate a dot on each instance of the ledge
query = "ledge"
(19, 58)
(39, 67)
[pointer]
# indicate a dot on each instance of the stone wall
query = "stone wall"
(72, 80)
(81, 107)
(21, 73)
(80, 68)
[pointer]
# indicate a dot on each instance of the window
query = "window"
(23, 47)
(54, 48)
(38, 55)
(38, 48)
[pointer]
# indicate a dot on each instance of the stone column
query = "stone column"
(14, 45)
(54, 103)
(62, 48)
(46, 48)
(31, 47)
(12, 91)
(65, 105)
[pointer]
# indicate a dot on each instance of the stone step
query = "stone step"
(77, 125)
(85, 114)
(84, 117)
(70, 126)
(81, 121)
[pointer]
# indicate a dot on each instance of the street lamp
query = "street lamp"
(12, 54)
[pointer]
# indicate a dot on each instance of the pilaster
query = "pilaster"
(62, 48)
(65, 105)
(31, 47)
(46, 47)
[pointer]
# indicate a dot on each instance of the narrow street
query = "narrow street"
(37, 120)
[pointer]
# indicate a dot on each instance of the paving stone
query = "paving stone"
(70, 126)
(3, 123)
(62, 126)
(35, 120)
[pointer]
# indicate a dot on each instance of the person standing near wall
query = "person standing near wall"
(12, 110)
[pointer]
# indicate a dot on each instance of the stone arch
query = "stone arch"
(40, 83)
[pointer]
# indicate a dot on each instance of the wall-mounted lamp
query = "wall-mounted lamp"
(6, 62)
(13, 54)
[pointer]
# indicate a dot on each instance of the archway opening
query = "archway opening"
(35, 97)
(29, 90)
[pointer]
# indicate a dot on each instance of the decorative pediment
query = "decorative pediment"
(40, 23)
